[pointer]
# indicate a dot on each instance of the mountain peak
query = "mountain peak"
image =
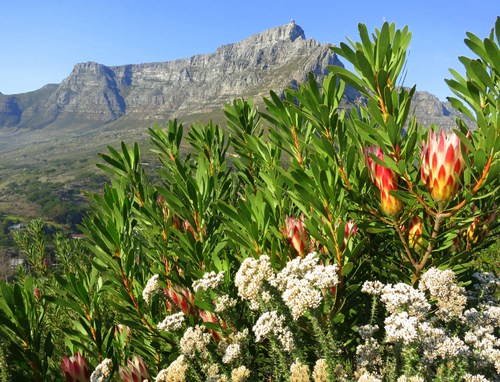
(283, 33)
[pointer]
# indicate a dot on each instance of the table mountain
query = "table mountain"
(273, 59)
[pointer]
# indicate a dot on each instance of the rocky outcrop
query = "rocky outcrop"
(429, 110)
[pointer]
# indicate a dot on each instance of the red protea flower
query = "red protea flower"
(75, 368)
(442, 165)
(386, 180)
(135, 371)
(297, 234)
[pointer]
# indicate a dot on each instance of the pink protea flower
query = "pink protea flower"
(135, 371)
(75, 369)
(297, 234)
(442, 165)
(386, 180)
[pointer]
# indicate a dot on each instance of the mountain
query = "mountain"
(93, 92)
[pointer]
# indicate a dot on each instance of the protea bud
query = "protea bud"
(297, 234)
(415, 239)
(75, 368)
(350, 229)
(442, 165)
(135, 371)
(386, 180)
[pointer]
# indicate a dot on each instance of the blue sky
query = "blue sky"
(41, 40)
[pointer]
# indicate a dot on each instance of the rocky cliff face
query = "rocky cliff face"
(271, 60)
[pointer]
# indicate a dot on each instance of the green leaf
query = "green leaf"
(347, 268)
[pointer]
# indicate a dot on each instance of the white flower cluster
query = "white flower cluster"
(402, 297)
(373, 288)
(271, 324)
(175, 372)
(103, 371)
(240, 374)
(366, 376)
(415, 378)
(368, 354)
(224, 303)
(232, 345)
(450, 298)
(152, 288)
(211, 370)
(401, 327)
(412, 323)
(250, 278)
(232, 353)
(172, 322)
(475, 378)
(309, 269)
(301, 282)
(210, 280)
(300, 296)
(299, 372)
(320, 371)
(194, 340)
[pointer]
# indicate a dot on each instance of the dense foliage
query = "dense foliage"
(304, 241)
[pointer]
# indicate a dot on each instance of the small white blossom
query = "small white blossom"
(475, 378)
(299, 296)
(152, 288)
(410, 379)
(103, 371)
(240, 374)
(224, 303)
(194, 340)
(450, 298)
(374, 288)
(232, 353)
(320, 372)
(175, 372)
(271, 324)
(172, 323)
(402, 297)
(299, 372)
(210, 280)
(401, 327)
(250, 278)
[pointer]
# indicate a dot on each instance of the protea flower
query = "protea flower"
(442, 165)
(75, 368)
(135, 371)
(386, 180)
(297, 234)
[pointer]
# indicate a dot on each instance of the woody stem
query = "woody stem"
(435, 231)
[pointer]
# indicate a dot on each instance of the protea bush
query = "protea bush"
(301, 241)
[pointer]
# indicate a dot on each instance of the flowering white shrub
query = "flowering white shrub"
(436, 329)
